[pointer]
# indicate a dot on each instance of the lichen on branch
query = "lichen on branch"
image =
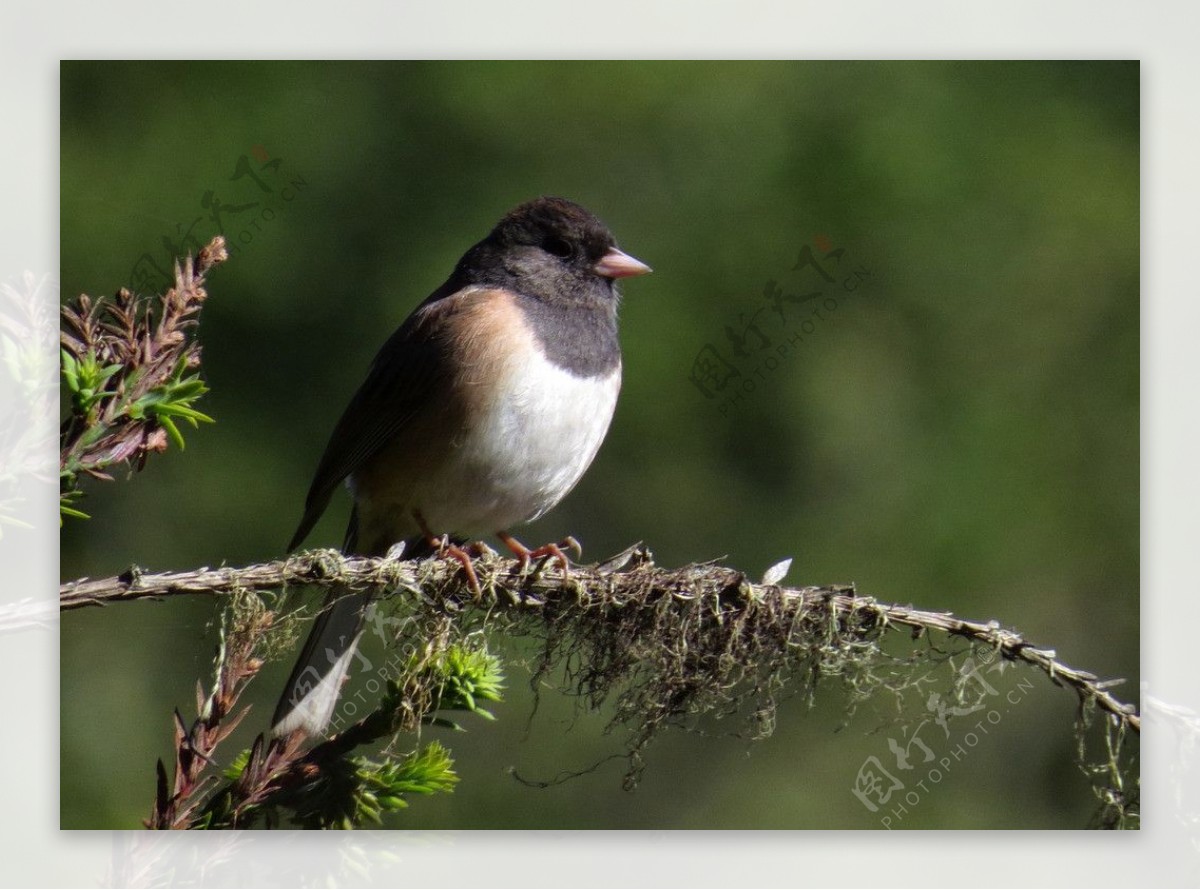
(664, 647)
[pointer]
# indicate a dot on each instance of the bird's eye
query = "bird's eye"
(558, 247)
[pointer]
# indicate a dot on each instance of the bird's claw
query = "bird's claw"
(545, 552)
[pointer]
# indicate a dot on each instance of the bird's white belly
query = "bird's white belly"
(523, 454)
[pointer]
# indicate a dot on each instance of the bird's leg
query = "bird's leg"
(478, 549)
(445, 547)
(555, 551)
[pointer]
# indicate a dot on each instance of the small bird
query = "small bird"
(480, 413)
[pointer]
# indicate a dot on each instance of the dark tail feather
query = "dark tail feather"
(312, 691)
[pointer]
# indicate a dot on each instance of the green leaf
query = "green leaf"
(179, 410)
(189, 389)
(237, 766)
(355, 790)
(70, 371)
(172, 431)
(471, 674)
(65, 509)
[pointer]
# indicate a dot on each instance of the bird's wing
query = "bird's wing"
(411, 373)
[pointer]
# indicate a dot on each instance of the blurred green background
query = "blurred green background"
(960, 433)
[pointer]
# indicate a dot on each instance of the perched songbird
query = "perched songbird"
(480, 413)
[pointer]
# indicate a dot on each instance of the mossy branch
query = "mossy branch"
(629, 581)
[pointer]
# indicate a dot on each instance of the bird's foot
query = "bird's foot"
(444, 548)
(479, 549)
(546, 551)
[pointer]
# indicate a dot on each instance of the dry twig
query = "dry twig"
(130, 368)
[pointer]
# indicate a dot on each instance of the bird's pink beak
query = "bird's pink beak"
(617, 264)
